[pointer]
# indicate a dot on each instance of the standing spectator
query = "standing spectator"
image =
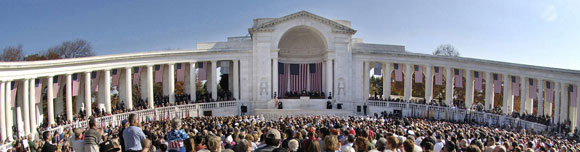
(76, 142)
(93, 137)
(176, 137)
(214, 144)
(133, 135)
(125, 124)
(273, 138)
(48, 146)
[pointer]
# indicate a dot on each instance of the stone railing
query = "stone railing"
(452, 113)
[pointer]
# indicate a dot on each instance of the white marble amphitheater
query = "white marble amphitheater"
(294, 53)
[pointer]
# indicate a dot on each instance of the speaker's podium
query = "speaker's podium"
(304, 106)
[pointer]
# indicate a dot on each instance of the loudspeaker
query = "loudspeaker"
(244, 109)
(358, 108)
(339, 106)
(280, 105)
(328, 105)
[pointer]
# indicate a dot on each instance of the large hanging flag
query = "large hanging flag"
(549, 92)
(201, 71)
(478, 80)
(294, 77)
(377, 67)
(316, 77)
(398, 73)
(95, 76)
(37, 90)
(533, 92)
(496, 84)
(516, 86)
(56, 85)
(458, 78)
(573, 95)
(418, 74)
(180, 72)
(115, 74)
(13, 91)
(282, 79)
(137, 75)
(159, 73)
(438, 76)
(76, 81)
(303, 77)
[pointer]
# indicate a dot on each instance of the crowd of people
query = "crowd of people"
(295, 134)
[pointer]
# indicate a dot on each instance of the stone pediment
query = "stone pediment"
(267, 25)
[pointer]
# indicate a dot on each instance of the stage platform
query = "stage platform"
(271, 114)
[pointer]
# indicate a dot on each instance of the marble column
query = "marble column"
(214, 80)
(366, 80)
(69, 109)
(8, 109)
(489, 93)
(577, 105)
(540, 94)
(171, 77)
(192, 82)
(275, 77)
(107, 90)
(50, 99)
(448, 86)
(26, 107)
(150, 96)
(32, 104)
(408, 81)
(329, 80)
(236, 76)
(428, 83)
(387, 80)
(128, 89)
(88, 103)
(3, 112)
(556, 102)
(468, 88)
(563, 102)
(523, 95)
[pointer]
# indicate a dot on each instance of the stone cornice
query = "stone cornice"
(336, 27)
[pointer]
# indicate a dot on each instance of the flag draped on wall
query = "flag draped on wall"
(283, 74)
(478, 80)
(418, 74)
(95, 81)
(294, 77)
(115, 74)
(56, 85)
(37, 90)
(515, 86)
(458, 78)
(76, 81)
(201, 71)
(496, 84)
(438, 76)
(398, 73)
(13, 90)
(377, 68)
(573, 95)
(180, 72)
(159, 73)
(316, 77)
(137, 75)
(533, 92)
(549, 92)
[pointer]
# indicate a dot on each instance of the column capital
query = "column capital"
(128, 68)
(150, 65)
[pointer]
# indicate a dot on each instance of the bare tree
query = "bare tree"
(72, 49)
(12, 53)
(446, 50)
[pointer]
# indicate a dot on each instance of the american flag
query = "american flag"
(136, 75)
(316, 77)
(398, 73)
(303, 77)
(76, 81)
(438, 76)
(180, 72)
(201, 71)
(115, 74)
(458, 78)
(515, 86)
(283, 72)
(159, 73)
(478, 81)
(298, 77)
(573, 95)
(56, 85)
(13, 90)
(496, 84)
(549, 92)
(377, 68)
(533, 93)
(37, 90)
(225, 67)
(418, 74)
(95, 81)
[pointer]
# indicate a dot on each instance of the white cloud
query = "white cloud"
(550, 14)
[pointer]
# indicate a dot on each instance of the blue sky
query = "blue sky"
(536, 32)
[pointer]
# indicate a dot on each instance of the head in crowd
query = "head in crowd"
(330, 143)
(409, 145)
(214, 144)
(293, 145)
(133, 119)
